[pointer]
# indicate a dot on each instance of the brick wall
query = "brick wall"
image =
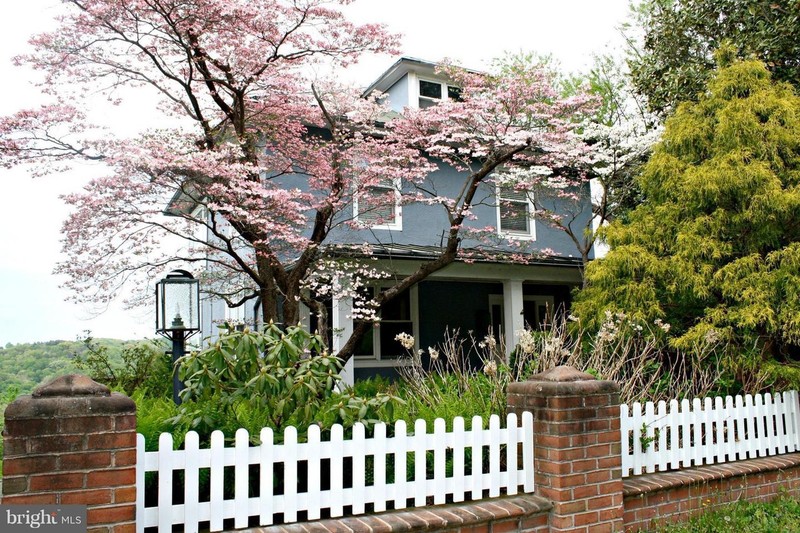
(658, 498)
(73, 442)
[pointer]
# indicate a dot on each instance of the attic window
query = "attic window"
(514, 212)
(433, 92)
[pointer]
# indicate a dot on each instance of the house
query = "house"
(486, 293)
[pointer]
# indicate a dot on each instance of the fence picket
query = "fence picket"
(696, 453)
(648, 446)
(140, 480)
(400, 465)
(494, 456)
(662, 442)
(625, 433)
(708, 432)
(792, 425)
(191, 498)
(165, 467)
(459, 441)
(439, 461)
(527, 450)
(289, 456)
(241, 477)
(476, 433)
(512, 454)
(781, 440)
(313, 469)
(217, 481)
(337, 470)
(769, 424)
(379, 475)
(674, 435)
(359, 452)
(420, 463)
(266, 473)
(719, 430)
(638, 452)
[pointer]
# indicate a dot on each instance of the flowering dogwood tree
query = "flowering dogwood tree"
(263, 165)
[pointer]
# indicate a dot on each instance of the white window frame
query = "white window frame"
(375, 360)
(443, 84)
(397, 224)
(526, 235)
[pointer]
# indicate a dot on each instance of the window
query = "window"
(514, 211)
(379, 206)
(433, 92)
(396, 317)
(538, 311)
(237, 316)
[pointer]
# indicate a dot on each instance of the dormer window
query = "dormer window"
(433, 92)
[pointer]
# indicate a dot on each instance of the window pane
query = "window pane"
(430, 89)
(377, 204)
(365, 346)
(398, 309)
(509, 193)
(514, 217)
(454, 93)
(390, 348)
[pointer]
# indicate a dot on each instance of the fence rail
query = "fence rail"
(706, 432)
(321, 478)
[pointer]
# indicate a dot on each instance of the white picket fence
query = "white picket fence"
(378, 465)
(680, 435)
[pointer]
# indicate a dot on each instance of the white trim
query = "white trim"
(529, 235)
(513, 317)
(342, 325)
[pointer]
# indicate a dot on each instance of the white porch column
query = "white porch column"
(342, 325)
(513, 318)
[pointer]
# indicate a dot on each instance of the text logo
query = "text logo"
(43, 518)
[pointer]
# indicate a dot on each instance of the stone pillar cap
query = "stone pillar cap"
(562, 374)
(71, 385)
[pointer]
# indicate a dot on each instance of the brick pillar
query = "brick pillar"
(576, 447)
(73, 442)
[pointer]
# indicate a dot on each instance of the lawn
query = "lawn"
(779, 516)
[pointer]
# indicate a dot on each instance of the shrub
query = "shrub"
(144, 367)
(271, 378)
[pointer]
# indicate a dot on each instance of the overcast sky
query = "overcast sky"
(472, 32)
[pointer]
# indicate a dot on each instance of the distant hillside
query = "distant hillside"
(25, 366)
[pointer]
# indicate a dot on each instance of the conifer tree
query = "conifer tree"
(714, 249)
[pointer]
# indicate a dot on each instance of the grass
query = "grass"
(779, 516)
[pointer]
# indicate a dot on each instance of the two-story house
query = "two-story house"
(478, 296)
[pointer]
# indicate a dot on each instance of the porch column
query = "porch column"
(513, 318)
(342, 324)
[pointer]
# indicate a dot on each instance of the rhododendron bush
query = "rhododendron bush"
(253, 165)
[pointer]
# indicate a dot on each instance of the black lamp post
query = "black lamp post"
(177, 317)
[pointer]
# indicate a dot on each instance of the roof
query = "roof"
(413, 251)
(400, 68)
